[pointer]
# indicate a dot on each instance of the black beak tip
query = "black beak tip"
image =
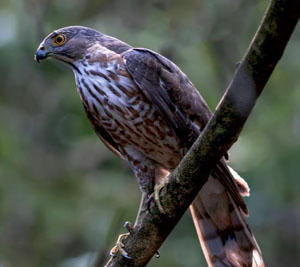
(36, 59)
(40, 54)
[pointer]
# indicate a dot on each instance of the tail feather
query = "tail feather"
(221, 226)
(211, 243)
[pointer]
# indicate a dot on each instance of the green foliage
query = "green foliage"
(64, 196)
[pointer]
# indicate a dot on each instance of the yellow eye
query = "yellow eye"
(59, 39)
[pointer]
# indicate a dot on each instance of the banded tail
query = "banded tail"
(224, 235)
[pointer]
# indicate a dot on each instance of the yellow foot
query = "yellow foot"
(119, 247)
(156, 193)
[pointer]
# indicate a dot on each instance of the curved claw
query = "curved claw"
(129, 226)
(119, 248)
(156, 197)
(125, 255)
(148, 203)
(168, 186)
(157, 254)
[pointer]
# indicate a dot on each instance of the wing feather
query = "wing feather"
(178, 102)
(168, 88)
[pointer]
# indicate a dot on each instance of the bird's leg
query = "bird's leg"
(161, 182)
(142, 208)
(119, 247)
(148, 174)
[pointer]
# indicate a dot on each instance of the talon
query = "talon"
(119, 248)
(148, 203)
(157, 254)
(156, 193)
(157, 190)
(129, 227)
(168, 186)
(125, 255)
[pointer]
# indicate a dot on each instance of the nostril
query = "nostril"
(42, 48)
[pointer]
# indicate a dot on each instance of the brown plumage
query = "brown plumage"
(145, 109)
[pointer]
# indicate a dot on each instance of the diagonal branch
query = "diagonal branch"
(221, 132)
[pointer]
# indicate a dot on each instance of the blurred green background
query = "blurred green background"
(64, 196)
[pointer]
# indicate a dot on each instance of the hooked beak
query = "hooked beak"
(40, 54)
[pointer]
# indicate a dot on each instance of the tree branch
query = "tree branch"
(221, 132)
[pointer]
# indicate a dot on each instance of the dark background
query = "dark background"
(64, 196)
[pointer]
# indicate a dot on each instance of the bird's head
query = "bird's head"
(71, 44)
(67, 44)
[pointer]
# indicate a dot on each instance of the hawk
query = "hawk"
(146, 111)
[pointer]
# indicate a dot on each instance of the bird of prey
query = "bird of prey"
(146, 111)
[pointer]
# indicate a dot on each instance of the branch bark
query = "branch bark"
(221, 132)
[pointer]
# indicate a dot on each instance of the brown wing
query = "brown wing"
(168, 88)
(178, 102)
